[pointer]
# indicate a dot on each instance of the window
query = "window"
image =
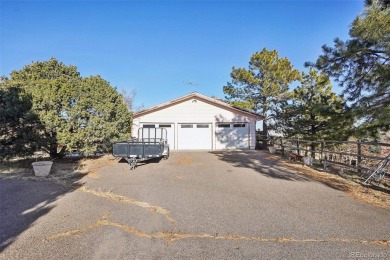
(165, 126)
(186, 126)
(202, 126)
(239, 125)
(149, 126)
(223, 125)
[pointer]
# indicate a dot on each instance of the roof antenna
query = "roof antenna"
(192, 84)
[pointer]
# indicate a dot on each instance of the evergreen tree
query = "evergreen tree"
(98, 115)
(247, 105)
(263, 85)
(316, 112)
(74, 112)
(18, 124)
(361, 65)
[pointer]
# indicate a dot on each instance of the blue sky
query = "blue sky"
(157, 47)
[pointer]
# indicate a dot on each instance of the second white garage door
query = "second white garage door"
(194, 136)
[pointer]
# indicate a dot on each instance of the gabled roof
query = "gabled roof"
(212, 101)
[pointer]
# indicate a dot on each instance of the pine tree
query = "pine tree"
(19, 125)
(361, 65)
(98, 115)
(315, 112)
(264, 84)
(73, 112)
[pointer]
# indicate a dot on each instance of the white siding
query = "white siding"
(197, 111)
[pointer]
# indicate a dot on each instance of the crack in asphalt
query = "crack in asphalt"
(127, 200)
(171, 236)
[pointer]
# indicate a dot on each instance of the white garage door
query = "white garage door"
(194, 136)
(170, 132)
(232, 136)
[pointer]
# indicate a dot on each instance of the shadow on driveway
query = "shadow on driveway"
(271, 166)
(25, 198)
(142, 163)
(258, 161)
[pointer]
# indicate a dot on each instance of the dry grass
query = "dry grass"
(65, 171)
(127, 200)
(168, 236)
(91, 166)
(352, 187)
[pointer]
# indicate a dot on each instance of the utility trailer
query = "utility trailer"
(150, 144)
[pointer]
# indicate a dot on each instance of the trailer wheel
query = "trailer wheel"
(167, 155)
(133, 163)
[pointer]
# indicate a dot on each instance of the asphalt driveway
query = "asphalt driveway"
(195, 205)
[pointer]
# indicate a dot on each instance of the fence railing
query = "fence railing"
(358, 155)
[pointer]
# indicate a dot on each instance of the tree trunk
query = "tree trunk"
(53, 145)
(265, 125)
(265, 133)
(313, 147)
(313, 132)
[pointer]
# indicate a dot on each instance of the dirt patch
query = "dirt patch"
(65, 171)
(183, 161)
(354, 189)
(91, 166)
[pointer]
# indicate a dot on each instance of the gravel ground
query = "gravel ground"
(195, 205)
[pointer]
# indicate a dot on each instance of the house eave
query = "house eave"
(212, 101)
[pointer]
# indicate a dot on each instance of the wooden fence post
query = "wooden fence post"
(281, 145)
(322, 150)
(359, 156)
(313, 150)
(298, 150)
